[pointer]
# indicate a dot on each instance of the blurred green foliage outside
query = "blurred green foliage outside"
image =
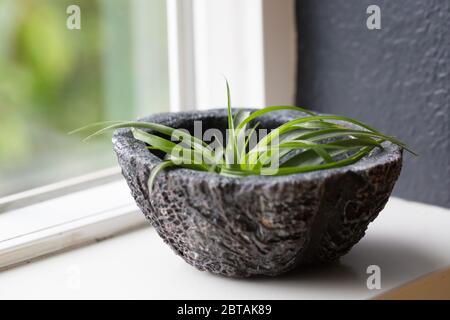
(51, 81)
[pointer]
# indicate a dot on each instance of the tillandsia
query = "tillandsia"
(307, 143)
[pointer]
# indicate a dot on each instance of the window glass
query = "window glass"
(54, 79)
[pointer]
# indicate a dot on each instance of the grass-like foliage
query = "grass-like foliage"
(308, 143)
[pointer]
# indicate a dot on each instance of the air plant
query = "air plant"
(308, 143)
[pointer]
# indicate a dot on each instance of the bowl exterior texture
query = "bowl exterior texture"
(256, 225)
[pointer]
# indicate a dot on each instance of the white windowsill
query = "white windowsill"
(66, 221)
(407, 240)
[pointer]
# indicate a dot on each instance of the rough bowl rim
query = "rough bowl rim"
(122, 141)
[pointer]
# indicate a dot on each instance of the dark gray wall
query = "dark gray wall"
(396, 78)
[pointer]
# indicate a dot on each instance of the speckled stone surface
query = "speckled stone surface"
(256, 225)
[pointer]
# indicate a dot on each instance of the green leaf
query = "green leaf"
(307, 168)
(154, 172)
(230, 150)
(263, 111)
(95, 125)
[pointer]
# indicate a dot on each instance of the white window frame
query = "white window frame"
(262, 73)
(261, 64)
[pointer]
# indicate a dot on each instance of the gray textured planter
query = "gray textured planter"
(256, 225)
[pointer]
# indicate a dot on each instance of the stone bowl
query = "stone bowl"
(256, 225)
